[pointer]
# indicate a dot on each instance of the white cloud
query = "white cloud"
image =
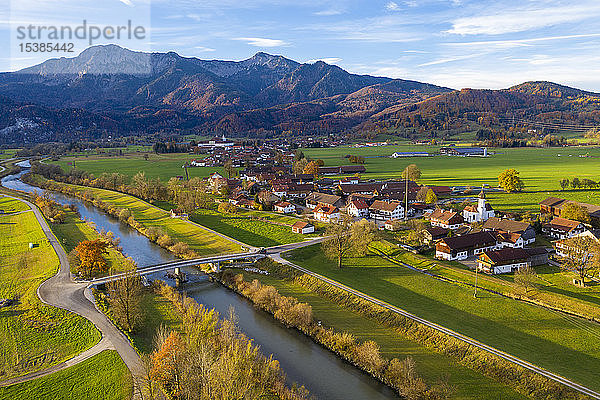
(127, 2)
(522, 20)
(508, 44)
(204, 49)
(262, 42)
(449, 59)
(392, 6)
(328, 60)
(326, 13)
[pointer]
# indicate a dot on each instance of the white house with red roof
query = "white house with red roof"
(326, 213)
(358, 208)
(284, 207)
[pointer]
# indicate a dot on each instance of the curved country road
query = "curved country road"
(63, 292)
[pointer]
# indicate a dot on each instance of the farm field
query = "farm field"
(163, 166)
(101, 377)
(9, 205)
(553, 285)
(33, 336)
(540, 168)
(565, 345)
(199, 240)
(253, 232)
(431, 366)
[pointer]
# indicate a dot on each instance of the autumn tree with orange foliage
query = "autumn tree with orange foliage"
(165, 361)
(312, 168)
(91, 258)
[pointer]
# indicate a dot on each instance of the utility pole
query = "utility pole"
(406, 197)
(476, 270)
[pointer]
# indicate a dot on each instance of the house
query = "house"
(509, 226)
(463, 247)
(435, 233)
(563, 247)
(284, 207)
(303, 227)
(505, 239)
(554, 206)
(326, 213)
(445, 219)
(176, 213)
(464, 151)
(479, 213)
(390, 225)
(510, 260)
(342, 170)
(562, 228)
(315, 199)
(422, 208)
(358, 207)
(384, 210)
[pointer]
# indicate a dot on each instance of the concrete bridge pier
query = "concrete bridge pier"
(215, 267)
(179, 277)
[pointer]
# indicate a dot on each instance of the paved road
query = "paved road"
(61, 291)
(515, 360)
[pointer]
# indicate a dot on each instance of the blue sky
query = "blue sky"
(455, 43)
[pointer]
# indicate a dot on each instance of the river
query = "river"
(324, 374)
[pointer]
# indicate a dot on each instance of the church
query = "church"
(480, 212)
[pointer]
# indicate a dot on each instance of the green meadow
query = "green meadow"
(163, 166)
(260, 233)
(33, 336)
(101, 377)
(562, 344)
(540, 168)
(431, 366)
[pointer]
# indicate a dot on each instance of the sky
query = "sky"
(453, 43)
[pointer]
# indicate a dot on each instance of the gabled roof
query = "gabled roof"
(325, 209)
(456, 243)
(445, 216)
(507, 255)
(564, 224)
(283, 204)
(301, 224)
(551, 201)
(506, 225)
(380, 205)
(324, 198)
(360, 204)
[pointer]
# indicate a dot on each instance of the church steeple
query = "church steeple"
(482, 194)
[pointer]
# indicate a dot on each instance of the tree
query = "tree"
(125, 296)
(510, 181)
(140, 185)
(362, 234)
(312, 168)
(229, 169)
(417, 231)
(299, 165)
(91, 258)
(422, 194)
(575, 212)
(525, 277)
(411, 172)
(564, 183)
(166, 361)
(431, 197)
(227, 208)
(575, 183)
(186, 201)
(581, 255)
(339, 244)
(124, 214)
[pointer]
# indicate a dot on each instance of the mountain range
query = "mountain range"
(109, 90)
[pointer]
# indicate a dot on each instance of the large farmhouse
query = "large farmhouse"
(463, 247)
(445, 219)
(562, 228)
(510, 260)
(524, 229)
(386, 210)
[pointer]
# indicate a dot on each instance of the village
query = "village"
(448, 223)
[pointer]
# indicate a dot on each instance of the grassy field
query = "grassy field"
(157, 312)
(74, 230)
(431, 366)
(553, 285)
(163, 166)
(566, 345)
(540, 168)
(102, 377)
(253, 232)
(9, 205)
(33, 336)
(199, 240)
